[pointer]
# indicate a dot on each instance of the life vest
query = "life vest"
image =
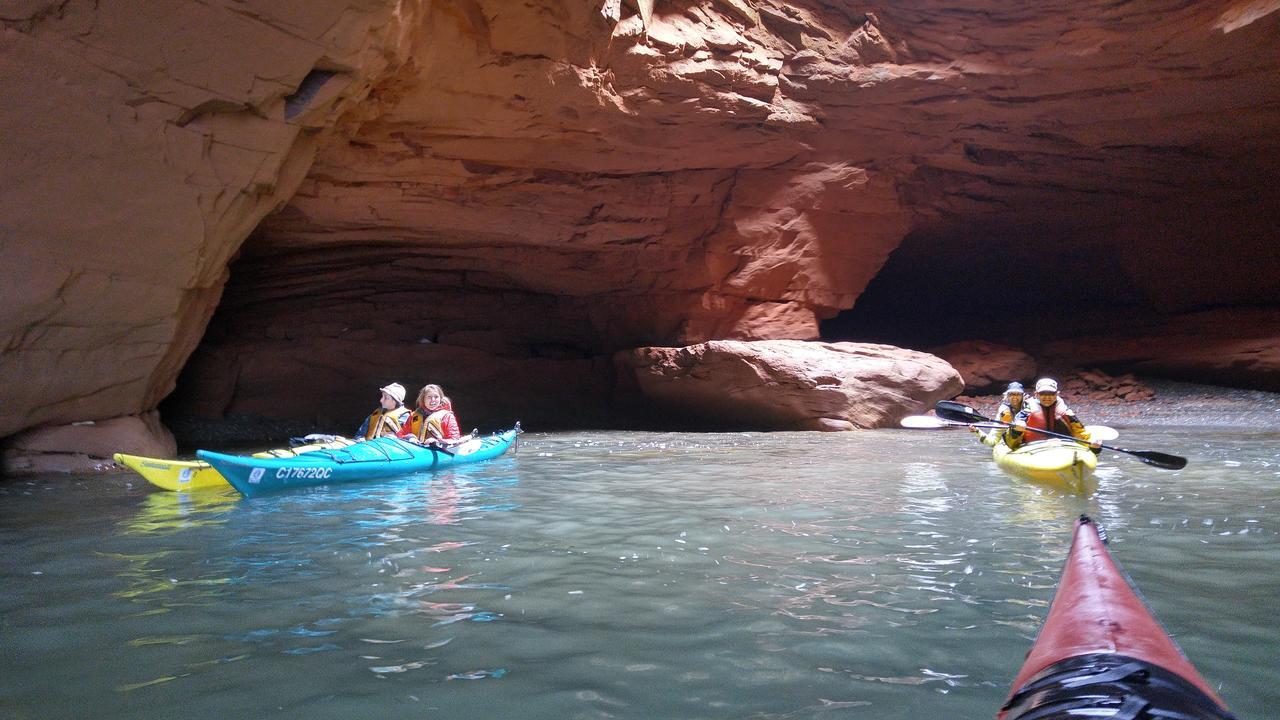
(384, 422)
(440, 424)
(1056, 418)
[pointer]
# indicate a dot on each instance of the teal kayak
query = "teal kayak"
(380, 458)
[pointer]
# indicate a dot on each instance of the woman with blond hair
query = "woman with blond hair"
(433, 421)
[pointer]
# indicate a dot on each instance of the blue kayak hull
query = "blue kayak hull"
(380, 458)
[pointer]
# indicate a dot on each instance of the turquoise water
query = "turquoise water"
(889, 574)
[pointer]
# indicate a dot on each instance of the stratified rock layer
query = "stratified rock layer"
(47, 449)
(986, 366)
(142, 143)
(544, 181)
(1240, 347)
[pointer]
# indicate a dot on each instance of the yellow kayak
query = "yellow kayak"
(187, 475)
(1061, 464)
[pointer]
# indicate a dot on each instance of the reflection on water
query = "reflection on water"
(168, 512)
(625, 575)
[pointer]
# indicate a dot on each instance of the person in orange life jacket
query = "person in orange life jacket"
(1011, 403)
(433, 422)
(387, 419)
(1050, 413)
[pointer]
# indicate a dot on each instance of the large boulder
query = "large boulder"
(789, 384)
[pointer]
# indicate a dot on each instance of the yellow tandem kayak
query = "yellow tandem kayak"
(187, 475)
(180, 475)
(1061, 464)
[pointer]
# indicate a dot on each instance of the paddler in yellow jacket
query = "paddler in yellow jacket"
(1011, 403)
(387, 419)
(1050, 413)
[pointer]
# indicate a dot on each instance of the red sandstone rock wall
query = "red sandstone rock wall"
(541, 177)
(140, 143)
(560, 179)
(659, 183)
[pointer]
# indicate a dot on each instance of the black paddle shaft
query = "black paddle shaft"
(959, 412)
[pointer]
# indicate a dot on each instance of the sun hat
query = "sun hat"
(395, 390)
(1048, 385)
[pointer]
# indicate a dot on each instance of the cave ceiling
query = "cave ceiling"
(744, 170)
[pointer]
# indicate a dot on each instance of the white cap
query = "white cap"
(395, 390)
(1046, 385)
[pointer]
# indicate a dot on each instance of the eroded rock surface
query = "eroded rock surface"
(140, 144)
(1239, 347)
(789, 384)
(986, 366)
(87, 446)
(310, 381)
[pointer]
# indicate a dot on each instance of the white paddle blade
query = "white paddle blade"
(1102, 433)
(924, 422)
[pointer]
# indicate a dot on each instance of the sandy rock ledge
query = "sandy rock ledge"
(87, 447)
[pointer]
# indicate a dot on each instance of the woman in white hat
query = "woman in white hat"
(389, 416)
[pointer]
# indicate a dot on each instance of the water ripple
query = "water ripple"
(627, 575)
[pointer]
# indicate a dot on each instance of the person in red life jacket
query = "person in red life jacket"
(433, 422)
(387, 419)
(1049, 412)
(1011, 403)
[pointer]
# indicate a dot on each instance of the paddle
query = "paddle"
(313, 439)
(929, 422)
(960, 412)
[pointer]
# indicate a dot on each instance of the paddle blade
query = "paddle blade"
(1102, 433)
(923, 422)
(1158, 459)
(958, 412)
